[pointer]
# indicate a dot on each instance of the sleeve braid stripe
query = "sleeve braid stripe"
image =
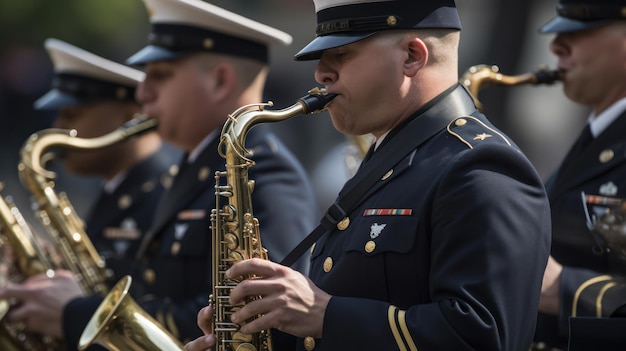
(582, 287)
(399, 329)
(604, 289)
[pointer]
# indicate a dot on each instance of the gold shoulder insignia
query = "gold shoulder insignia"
(471, 131)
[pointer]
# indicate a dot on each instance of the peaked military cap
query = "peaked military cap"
(342, 22)
(81, 77)
(575, 15)
(182, 27)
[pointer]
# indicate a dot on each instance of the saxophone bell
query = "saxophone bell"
(120, 324)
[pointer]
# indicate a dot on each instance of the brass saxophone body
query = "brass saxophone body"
(27, 258)
(481, 76)
(56, 213)
(235, 230)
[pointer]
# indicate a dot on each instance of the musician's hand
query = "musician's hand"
(550, 288)
(38, 302)
(207, 341)
(290, 301)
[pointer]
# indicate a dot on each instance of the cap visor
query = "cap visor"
(152, 53)
(56, 100)
(563, 25)
(313, 51)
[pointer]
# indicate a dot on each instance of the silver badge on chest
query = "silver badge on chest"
(376, 229)
(608, 189)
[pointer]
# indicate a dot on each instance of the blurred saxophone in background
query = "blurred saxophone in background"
(236, 234)
(21, 256)
(479, 77)
(55, 212)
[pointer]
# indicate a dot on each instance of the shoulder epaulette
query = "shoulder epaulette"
(471, 131)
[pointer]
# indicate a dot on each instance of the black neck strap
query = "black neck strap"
(458, 102)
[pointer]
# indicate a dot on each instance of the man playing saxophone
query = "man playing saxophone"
(202, 63)
(440, 240)
(95, 96)
(582, 279)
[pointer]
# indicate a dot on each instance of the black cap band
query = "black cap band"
(367, 24)
(592, 12)
(181, 38)
(88, 89)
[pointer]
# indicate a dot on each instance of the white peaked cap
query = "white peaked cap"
(68, 58)
(81, 77)
(181, 27)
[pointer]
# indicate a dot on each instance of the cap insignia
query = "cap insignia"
(208, 43)
(121, 93)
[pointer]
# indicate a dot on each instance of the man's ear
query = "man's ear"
(223, 79)
(417, 56)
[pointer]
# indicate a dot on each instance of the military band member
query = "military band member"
(582, 279)
(95, 96)
(201, 64)
(440, 240)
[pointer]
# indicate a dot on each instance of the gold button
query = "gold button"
(203, 174)
(166, 181)
(606, 155)
(313, 248)
(387, 175)
(460, 122)
(370, 246)
(149, 276)
(175, 248)
(309, 343)
(147, 186)
(328, 264)
(173, 170)
(343, 224)
(392, 21)
(124, 201)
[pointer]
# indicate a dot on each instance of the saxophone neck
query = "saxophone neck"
(35, 151)
(243, 119)
(479, 77)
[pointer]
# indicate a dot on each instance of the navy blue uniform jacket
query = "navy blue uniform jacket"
(118, 220)
(593, 282)
(446, 252)
(172, 275)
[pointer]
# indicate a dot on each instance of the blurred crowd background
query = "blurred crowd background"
(539, 118)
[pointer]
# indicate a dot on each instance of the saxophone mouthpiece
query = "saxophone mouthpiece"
(317, 100)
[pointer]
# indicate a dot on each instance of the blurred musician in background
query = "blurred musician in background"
(582, 279)
(201, 64)
(95, 96)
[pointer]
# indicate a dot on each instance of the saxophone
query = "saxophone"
(236, 235)
(481, 76)
(29, 258)
(56, 213)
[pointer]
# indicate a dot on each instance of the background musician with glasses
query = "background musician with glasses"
(582, 279)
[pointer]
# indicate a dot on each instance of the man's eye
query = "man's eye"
(158, 75)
